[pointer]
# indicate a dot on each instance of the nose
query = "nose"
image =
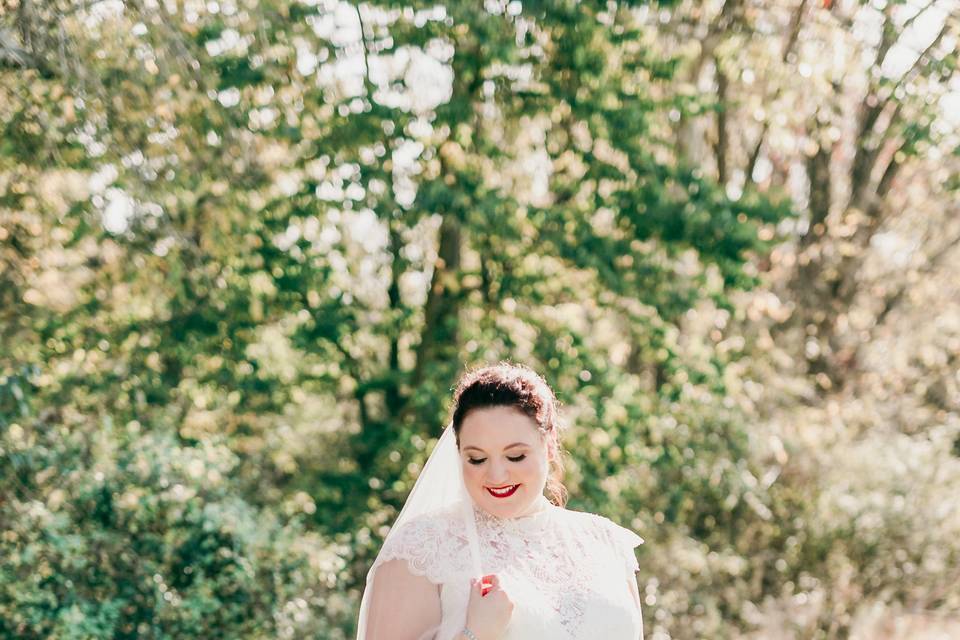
(496, 474)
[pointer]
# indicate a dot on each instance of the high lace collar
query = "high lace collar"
(528, 521)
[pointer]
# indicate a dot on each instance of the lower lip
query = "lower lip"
(504, 495)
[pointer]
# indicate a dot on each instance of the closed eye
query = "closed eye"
(476, 461)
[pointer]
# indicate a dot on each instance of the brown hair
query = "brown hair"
(513, 385)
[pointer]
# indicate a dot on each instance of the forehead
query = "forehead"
(493, 427)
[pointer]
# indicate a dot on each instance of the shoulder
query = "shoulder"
(431, 544)
(424, 524)
(604, 528)
(427, 531)
(619, 540)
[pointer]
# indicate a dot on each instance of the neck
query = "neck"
(535, 507)
(539, 505)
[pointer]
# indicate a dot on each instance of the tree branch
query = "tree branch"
(891, 302)
(394, 400)
(867, 151)
(713, 37)
(886, 180)
(796, 22)
(818, 172)
(723, 137)
(869, 113)
(909, 21)
(363, 48)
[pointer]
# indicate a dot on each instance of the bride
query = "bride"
(478, 552)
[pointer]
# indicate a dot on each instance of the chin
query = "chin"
(506, 507)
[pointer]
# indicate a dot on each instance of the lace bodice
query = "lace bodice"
(568, 573)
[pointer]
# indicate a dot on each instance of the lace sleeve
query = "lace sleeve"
(431, 546)
(623, 541)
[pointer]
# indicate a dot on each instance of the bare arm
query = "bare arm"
(634, 591)
(635, 594)
(403, 606)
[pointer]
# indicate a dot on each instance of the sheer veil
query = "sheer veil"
(440, 487)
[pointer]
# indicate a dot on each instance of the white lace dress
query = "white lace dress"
(568, 573)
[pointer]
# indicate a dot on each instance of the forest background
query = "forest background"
(247, 247)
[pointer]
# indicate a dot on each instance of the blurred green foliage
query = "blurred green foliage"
(247, 248)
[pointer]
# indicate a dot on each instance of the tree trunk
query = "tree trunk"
(438, 340)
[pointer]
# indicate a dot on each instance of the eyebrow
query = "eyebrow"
(509, 446)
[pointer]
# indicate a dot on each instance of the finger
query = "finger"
(495, 589)
(493, 579)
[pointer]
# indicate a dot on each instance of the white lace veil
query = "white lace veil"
(440, 486)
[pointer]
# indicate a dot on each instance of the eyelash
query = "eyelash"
(510, 458)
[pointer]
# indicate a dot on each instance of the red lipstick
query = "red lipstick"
(503, 494)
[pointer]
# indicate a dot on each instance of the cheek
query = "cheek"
(532, 467)
(471, 474)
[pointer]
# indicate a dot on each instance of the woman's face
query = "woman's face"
(505, 460)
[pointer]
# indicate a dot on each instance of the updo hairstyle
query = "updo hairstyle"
(514, 385)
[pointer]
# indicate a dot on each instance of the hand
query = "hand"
(489, 609)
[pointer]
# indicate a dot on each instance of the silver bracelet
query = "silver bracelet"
(470, 635)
